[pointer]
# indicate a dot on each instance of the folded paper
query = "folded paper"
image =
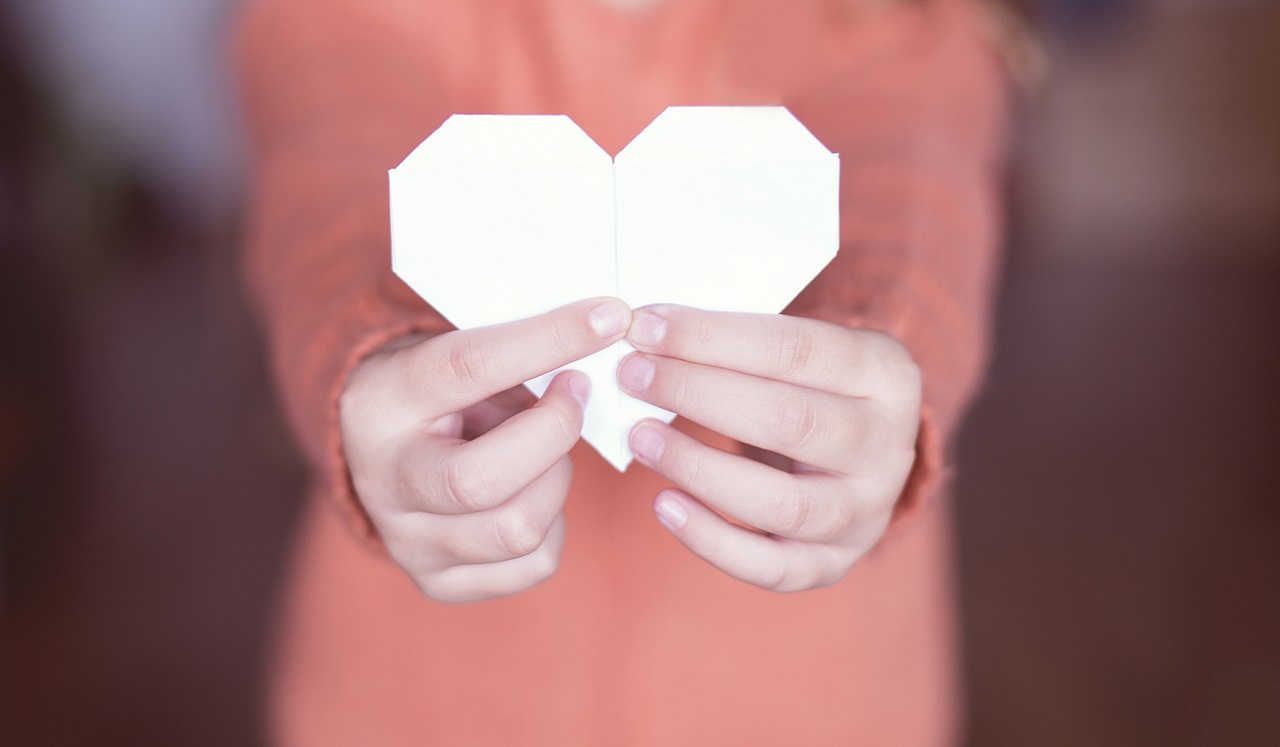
(500, 217)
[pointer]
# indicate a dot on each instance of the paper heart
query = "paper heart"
(500, 217)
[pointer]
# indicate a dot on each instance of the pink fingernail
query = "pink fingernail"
(580, 388)
(647, 443)
(648, 329)
(636, 373)
(671, 512)
(608, 319)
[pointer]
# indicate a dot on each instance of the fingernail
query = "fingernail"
(648, 329)
(636, 373)
(580, 388)
(647, 443)
(671, 512)
(608, 319)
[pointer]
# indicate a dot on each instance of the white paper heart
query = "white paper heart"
(500, 217)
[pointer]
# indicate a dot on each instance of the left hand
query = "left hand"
(843, 405)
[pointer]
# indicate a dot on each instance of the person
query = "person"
(470, 572)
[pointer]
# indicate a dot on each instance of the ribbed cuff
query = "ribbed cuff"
(337, 476)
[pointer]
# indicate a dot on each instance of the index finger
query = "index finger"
(458, 369)
(797, 350)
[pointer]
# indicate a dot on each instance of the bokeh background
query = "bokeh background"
(1118, 487)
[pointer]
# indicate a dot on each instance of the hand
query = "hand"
(473, 519)
(843, 405)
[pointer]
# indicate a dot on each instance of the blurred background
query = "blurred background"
(1118, 497)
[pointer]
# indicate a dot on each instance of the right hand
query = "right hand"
(473, 519)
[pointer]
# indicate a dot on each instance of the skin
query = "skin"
(466, 483)
(835, 409)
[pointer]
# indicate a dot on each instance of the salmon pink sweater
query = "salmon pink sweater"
(635, 640)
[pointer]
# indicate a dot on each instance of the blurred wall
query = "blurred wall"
(147, 485)
(144, 83)
(1155, 140)
(1119, 520)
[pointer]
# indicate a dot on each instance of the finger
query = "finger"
(512, 530)
(487, 414)
(460, 368)
(808, 352)
(819, 428)
(772, 563)
(474, 583)
(481, 474)
(809, 507)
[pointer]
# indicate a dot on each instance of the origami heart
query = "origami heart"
(500, 217)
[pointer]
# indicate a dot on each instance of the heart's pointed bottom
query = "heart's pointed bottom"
(619, 463)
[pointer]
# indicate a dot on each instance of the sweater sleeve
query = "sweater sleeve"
(334, 97)
(917, 113)
(337, 92)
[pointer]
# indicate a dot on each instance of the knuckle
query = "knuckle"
(430, 587)
(466, 484)
(911, 374)
(906, 373)
(709, 546)
(847, 520)
(566, 339)
(544, 566)
(690, 333)
(810, 574)
(841, 564)
(899, 368)
(902, 460)
(688, 468)
(516, 533)
(830, 576)
(452, 547)
(465, 360)
(795, 348)
(775, 576)
(793, 510)
(879, 490)
(681, 388)
(564, 424)
(796, 421)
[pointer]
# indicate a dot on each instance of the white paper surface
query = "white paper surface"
(500, 217)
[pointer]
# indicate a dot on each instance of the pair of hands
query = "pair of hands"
(466, 484)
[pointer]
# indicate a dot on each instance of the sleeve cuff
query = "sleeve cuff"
(927, 473)
(336, 475)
